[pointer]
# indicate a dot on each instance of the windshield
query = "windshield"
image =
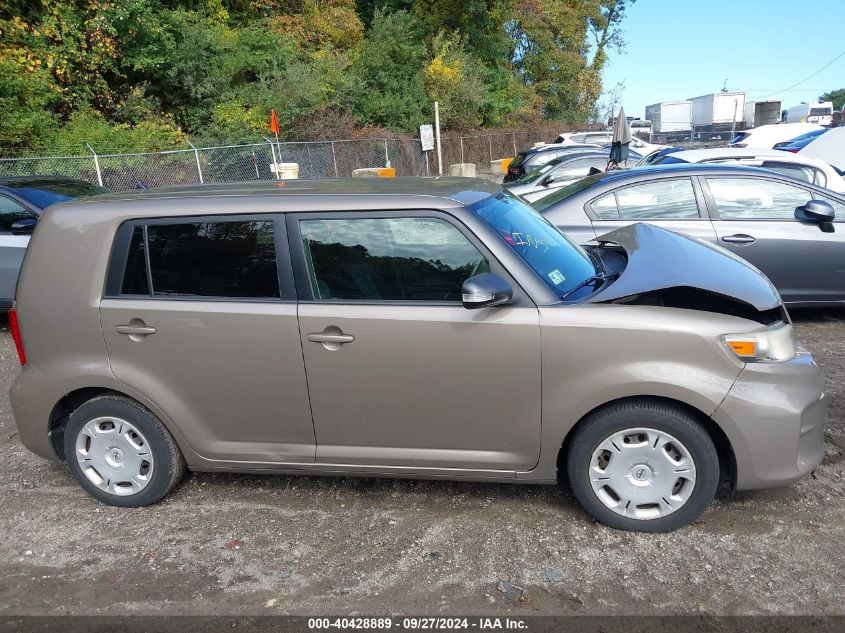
(560, 263)
(807, 136)
(43, 193)
(569, 190)
(518, 159)
(531, 176)
(668, 159)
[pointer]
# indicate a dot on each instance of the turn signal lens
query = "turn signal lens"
(743, 348)
(775, 345)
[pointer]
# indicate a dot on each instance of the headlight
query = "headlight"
(769, 346)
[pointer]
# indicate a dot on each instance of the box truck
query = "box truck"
(718, 112)
(764, 112)
(670, 116)
(819, 113)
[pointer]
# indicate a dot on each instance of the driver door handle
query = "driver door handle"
(739, 238)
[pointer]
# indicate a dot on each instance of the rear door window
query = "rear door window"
(220, 259)
(657, 200)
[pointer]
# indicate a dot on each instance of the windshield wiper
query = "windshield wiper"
(594, 280)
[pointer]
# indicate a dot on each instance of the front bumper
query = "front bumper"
(774, 417)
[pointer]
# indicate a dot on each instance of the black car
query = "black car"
(792, 230)
(536, 157)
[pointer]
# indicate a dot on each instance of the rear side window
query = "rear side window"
(223, 259)
(135, 281)
(11, 212)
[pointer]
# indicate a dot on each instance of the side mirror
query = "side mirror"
(484, 291)
(815, 210)
(24, 227)
(547, 180)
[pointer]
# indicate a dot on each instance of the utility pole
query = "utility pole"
(437, 136)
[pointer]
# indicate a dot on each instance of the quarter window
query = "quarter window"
(11, 212)
(756, 198)
(658, 200)
(388, 259)
(135, 281)
(225, 259)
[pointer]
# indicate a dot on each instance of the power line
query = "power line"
(798, 83)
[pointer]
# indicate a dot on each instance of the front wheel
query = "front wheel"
(643, 466)
(120, 453)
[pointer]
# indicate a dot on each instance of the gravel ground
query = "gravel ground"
(227, 544)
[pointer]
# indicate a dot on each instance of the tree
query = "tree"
(388, 73)
(152, 71)
(836, 96)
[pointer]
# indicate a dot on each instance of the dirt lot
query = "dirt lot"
(274, 544)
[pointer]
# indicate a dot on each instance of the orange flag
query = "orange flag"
(274, 122)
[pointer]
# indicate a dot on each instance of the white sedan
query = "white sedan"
(603, 137)
(799, 166)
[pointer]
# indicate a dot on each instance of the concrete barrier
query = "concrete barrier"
(462, 169)
(374, 172)
(500, 166)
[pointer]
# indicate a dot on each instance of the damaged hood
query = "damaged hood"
(660, 259)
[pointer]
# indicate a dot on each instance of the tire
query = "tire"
(656, 484)
(120, 453)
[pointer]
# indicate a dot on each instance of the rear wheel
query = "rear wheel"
(120, 453)
(643, 466)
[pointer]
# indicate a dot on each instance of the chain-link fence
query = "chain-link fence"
(256, 161)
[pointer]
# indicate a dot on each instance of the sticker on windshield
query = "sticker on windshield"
(556, 277)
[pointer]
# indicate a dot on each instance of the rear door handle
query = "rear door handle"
(135, 330)
(739, 238)
(320, 337)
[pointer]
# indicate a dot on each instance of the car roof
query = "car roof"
(651, 172)
(449, 190)
(550, 147)
(697, 155)
(23, 181)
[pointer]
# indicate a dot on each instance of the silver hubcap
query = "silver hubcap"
(642, 473)
(114, 456)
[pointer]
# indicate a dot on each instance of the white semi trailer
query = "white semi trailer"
(718, 112)
(669, 116)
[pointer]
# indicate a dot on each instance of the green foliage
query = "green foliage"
(390, 87)
(836, 96)
(87, 126)
(144, 74)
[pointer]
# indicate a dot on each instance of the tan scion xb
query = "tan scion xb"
(429, 328)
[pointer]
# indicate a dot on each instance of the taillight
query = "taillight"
(15, 327)
(793, 150)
